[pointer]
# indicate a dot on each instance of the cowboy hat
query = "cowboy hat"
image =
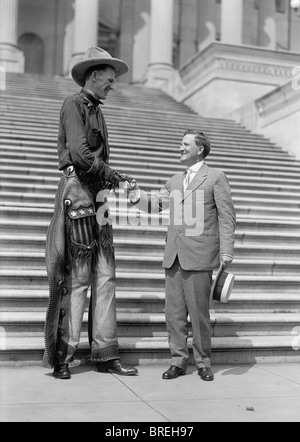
(222, 286)
(95, 56)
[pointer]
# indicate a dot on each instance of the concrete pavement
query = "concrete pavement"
(258, 393)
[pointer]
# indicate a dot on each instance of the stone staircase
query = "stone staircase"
(261, 323)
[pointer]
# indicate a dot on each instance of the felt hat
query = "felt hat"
(222, 286)
(95, 56)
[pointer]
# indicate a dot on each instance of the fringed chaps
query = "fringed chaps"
(73, 233)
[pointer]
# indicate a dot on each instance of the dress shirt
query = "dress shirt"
(191, 173)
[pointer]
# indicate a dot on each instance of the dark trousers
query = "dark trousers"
(188, 293)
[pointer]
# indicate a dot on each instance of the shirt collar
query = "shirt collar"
(91, 97)
(196, 167)
(91, 93)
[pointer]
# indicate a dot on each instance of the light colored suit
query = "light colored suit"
(197, 247)
(202, 225)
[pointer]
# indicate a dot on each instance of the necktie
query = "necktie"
(187, 180)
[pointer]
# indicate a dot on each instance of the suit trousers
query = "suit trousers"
(102, 317)
(188, 293)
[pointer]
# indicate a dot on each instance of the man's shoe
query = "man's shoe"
(62, 372)
(206, 374)
(116, 367)
(173, 373)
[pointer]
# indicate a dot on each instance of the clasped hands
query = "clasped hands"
(129, 185)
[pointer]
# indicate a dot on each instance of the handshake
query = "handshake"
(129, 185)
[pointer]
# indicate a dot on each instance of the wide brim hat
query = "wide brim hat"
(96, 57)
(222, 286)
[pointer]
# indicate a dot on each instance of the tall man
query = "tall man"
(80, 251)
(200, 235)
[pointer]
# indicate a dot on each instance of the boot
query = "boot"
(62, 371)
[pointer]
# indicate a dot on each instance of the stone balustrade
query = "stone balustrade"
(224, 78)
(276, 116)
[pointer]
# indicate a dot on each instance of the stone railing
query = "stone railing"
(279, 104)
(276, 116)
(224, 78)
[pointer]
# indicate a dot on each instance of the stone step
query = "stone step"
(154, 302)
(35, 95)
(163, 147)
(234, 140)
(117, 98)
(35, 279)
(134, 98)
(262, 184)
(50, 189)
(37, 300)
(138, 231)
(244, 206)
(145, 164)
(142, 126)
(129, 324)
(149, 264)
(143, 350)
(177, 111)
(26, 219)
(155, 247)
(145, 161)
(132, 105)
(135, 218)
(267, 212)
(220, 136)
(260, 303)
(124, 114)
(126, 121)
(265, 181)
(265, 175)
(166, 154)
(37, 88)
(26, 226)
(44, 196)
(154, 324)
(29, 118)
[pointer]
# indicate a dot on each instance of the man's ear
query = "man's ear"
(94, 76)
(201, 150)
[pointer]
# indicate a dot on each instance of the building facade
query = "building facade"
(48, 36)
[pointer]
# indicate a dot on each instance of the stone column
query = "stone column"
(85, 27)
(160, 68)
(127, 35)
(188, 31)
(232, 22)
(207, 30)
(11, 58)
(141, 41)
(267, 24)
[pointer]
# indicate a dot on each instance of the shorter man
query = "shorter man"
(200, 235)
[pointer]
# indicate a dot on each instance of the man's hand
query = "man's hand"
(133, 192)
(226, 261)
(132, 186)
(127, 182)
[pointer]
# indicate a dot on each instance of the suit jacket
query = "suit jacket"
(202, 219)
